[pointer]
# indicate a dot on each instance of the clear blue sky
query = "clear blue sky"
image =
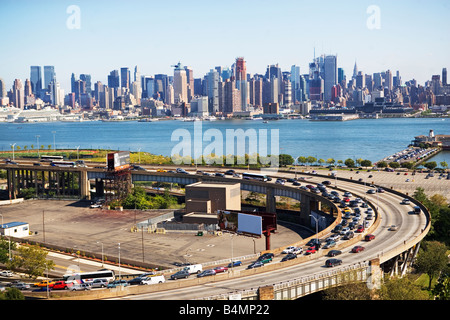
(414, 36)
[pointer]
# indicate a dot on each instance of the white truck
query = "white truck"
(194, 268)
(153, 279)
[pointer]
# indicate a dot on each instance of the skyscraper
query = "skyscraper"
(295, 81)
(2, 88)
(49, 74)
(330, 72)
(388, 80)
(125, 77)
(18, 94)
(444, 76)
(241, 81)
(213, 91)
(87, 80)
(114, 79)
(36, 80)
(180, 84)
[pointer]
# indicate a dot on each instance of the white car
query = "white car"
(406, 201)
(288, 249)
(6, 273)
(298, 250)
(345, 230)
(347, 194)
(393, 227)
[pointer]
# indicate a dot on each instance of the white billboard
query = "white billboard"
(249, 224)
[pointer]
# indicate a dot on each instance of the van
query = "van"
(153, 280)
(194, 268)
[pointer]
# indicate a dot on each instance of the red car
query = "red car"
(369, 237)
(357, 249)
(311, 250)
(220, 269)
(60, 285)
(360, 228)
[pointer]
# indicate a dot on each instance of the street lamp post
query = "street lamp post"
(120, 276)
(13, 147)
(317, 227)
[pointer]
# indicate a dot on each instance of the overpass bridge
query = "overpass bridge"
(391, 252)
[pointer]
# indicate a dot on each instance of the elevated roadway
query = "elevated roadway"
(384, 252)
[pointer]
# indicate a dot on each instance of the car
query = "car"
(280, 181)
(180, 170)
(288, 249)
(60, 285)
(289, 256)
(329, 244)
(116, 283)
(266, 256)
(102, 283)
(230, 172)
(296, 183)
(405, 201)
(344, 230)
(360, 228)
(162, 170)
(219, 174)
(369, 237)
(298, 250)
(44, 283)
(337, 229)
(255, 264)
(348, 235)
(380, 190)
(82, 286)
(347, 194)
(333, 262)
(313, 242)
(206, 273)
(333, 253)
(369, 217)
(311, 250)
(234, 264)
(333, 237)
(357, 249)
(326, 183)
(96, 205)
(20, 285)
(220, 269)
(6, 273)
(180, 274)
(393, 228)
(371, 191)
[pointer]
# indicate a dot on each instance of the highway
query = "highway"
(390, 209)
(392, 212)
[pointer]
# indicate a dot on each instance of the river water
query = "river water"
(371, 139)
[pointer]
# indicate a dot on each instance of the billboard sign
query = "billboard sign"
(118, 160)
(249, 223)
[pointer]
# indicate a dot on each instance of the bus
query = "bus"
(45, 158)
(66, 164)
(255, 176)
(88, 277)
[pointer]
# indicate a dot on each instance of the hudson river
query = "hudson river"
(371, 139)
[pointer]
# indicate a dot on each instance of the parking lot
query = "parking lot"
(72, 224)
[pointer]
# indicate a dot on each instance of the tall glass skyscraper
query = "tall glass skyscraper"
(36, 80)
(330, 75)
(49, 74)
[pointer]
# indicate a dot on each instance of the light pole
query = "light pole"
(119, 264)
(37, 142)
(317, 227)
(13, 147)
(54, 141)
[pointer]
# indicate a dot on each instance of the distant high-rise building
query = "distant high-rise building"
(73, 79)
(49, 75)
(213, 91)
(114, 79)
(87, 80)
(355, 70)
(36, 80)
(125, 78)
(330, 72)
(295, 83)
(180, 84)
(241, 81)
(444, 76)
(18, 97)
(2, 88)
(388, 80)
(360, 80)
(341, 75)
(190, 82)
(27, 88)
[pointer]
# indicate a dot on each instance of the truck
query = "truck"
(153, 279)
(194, 268)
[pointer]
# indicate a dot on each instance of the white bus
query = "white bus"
(255, 176)
(45, 158)
(64, 164)
(83, 277)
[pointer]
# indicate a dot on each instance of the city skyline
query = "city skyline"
(155, 36)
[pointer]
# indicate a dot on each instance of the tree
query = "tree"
(330, 161)
(394, 165)
(301, 159)
(382, 164)
(353, 291)
(311, 160)
(432, 259)
(12, 294)
(366, 163)
(321, 161)
(402, 289)
(441, 290)
(285, 160)
(444, 164)
(349, 163)
(33, 260)
(430, 165)
(5, 247)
